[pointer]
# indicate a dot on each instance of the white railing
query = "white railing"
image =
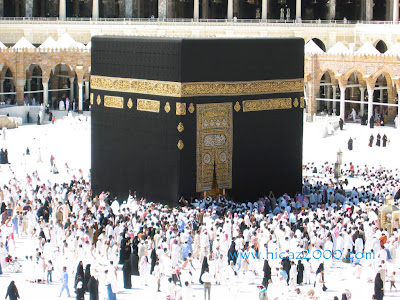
(183, 21)
(334, 120)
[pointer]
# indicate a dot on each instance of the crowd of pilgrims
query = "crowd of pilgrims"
(165, 246)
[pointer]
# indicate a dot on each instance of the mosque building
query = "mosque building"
(351, 46)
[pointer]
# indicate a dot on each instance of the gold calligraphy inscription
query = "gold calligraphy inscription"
(242, 87)
(190, 89)
(113, 102)
(267, 104)
(98, 100)
(295, 102)
(302, 104)
(91, 98)
(148, 105)
(180, 109)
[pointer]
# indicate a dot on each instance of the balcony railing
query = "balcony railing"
(178, 21)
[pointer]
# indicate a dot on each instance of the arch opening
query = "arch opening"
(63, 85)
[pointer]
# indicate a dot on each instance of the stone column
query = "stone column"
(162, 9)
(396, 11)
(380, 100)
(334, 88)
(2, 89)
(328, 95)
(204, 13)
(389, 10)
(264, 9)
(342, 103)
(332, 9)
(312, 91)
(71, 90)
(369, 11)
(230, 10)
(370, 103)
(29, 8)
(95, 9)
(362, 97)
(363, 5)
(28, 85)
(196, 9)
(62, 10)
(236, 8)
(19, 90)
(298, 9)
(128, 8)
(80, 97)
(45, 84)
(86, 89)
(398, 107)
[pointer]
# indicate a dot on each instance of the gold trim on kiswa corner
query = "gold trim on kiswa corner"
(190, 89)
(267, 104)
(114, 102)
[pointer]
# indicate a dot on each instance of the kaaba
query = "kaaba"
(188, 117)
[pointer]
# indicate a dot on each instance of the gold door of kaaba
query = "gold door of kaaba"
(214, 146)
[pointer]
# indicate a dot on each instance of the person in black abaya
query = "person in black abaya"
(93, 288)
(87, 277)
(300, 272)
(12, 291)
(127, 272)
(371, 122)
(378, 140)
(384, 140)
(267, 273)
(1, 156)
(6, 157)
(134, 260)
(80, 290)
(371, 141)
(286, 266)
(232, 254)
(320, 268)
(153, 257)
(79, 272)
(125, 251)
(350, 144)
(378, 287)
(341, 123)
(364, 120)
(204, 267)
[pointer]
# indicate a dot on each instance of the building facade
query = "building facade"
(206, 9)
(346, 65)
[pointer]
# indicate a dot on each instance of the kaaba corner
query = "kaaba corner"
(175, 117)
